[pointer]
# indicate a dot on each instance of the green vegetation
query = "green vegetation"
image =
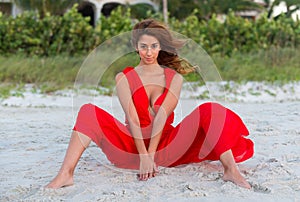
(49, 51)
(52, 35)
(58, 72)
(71, 33)
(182, 8)
(274, 64)
(49, 73)
(55, 7)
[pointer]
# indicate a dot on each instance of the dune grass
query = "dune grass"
(59, 72)
(49, 74)
(273, 65)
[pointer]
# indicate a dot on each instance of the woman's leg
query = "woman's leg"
(78, 143)
(231, 172)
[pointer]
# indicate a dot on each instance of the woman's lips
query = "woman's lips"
(149, 59)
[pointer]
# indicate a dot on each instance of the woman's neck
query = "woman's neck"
(149, 68)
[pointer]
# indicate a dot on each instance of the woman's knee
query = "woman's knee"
(210, 105)
(212, 113)
(87, 112)
(87, 109)
(212, 108)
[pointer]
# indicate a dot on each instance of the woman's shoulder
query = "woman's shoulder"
(173, 76)
(120, 75)
(127, 69)
(173, 73)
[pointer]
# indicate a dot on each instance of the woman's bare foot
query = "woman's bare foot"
(61, 180)
(236, 177)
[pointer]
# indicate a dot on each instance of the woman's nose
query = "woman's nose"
(149, 51)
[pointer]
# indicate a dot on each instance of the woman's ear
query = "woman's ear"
(133, 45)
(136, 49)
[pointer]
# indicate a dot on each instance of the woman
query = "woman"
(148, 94)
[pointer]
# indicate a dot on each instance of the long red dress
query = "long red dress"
(207, 132)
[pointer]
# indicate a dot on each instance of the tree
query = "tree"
(206, 8)
(210, 7)
(55, 7)
(291, 7)
(165, 10)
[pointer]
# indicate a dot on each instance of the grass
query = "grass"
(273, 65)
(59, 72)
(49, 74)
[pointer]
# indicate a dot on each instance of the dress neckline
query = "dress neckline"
(145, 92)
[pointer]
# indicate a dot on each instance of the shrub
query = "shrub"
(71, 33)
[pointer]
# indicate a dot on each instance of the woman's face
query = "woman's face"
(148, 48)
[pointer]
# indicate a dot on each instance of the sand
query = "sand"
(35, 131)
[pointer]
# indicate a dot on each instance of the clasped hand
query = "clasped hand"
(148, 168)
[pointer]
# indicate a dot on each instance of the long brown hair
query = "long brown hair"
(167, 56)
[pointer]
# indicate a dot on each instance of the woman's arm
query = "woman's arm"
(124, 95)
(164, 111)
(147, 166)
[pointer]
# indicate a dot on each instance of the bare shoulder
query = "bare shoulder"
(178, 78)
(119, 76)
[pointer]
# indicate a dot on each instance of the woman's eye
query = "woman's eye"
(154, 46)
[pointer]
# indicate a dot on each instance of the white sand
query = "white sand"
(35, 131)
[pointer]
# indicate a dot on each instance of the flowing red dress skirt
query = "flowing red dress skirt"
(204, 134)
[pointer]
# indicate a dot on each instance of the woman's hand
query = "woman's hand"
(148, 168)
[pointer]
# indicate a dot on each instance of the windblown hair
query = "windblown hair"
(167, 56)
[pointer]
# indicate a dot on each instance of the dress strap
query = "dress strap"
(134, 83)
(170, 73)
(127, 69)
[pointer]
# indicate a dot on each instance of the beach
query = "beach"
(36, 128)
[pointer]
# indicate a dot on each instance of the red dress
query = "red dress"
(207, 132)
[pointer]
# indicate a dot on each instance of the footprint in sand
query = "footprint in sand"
(260, 188)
